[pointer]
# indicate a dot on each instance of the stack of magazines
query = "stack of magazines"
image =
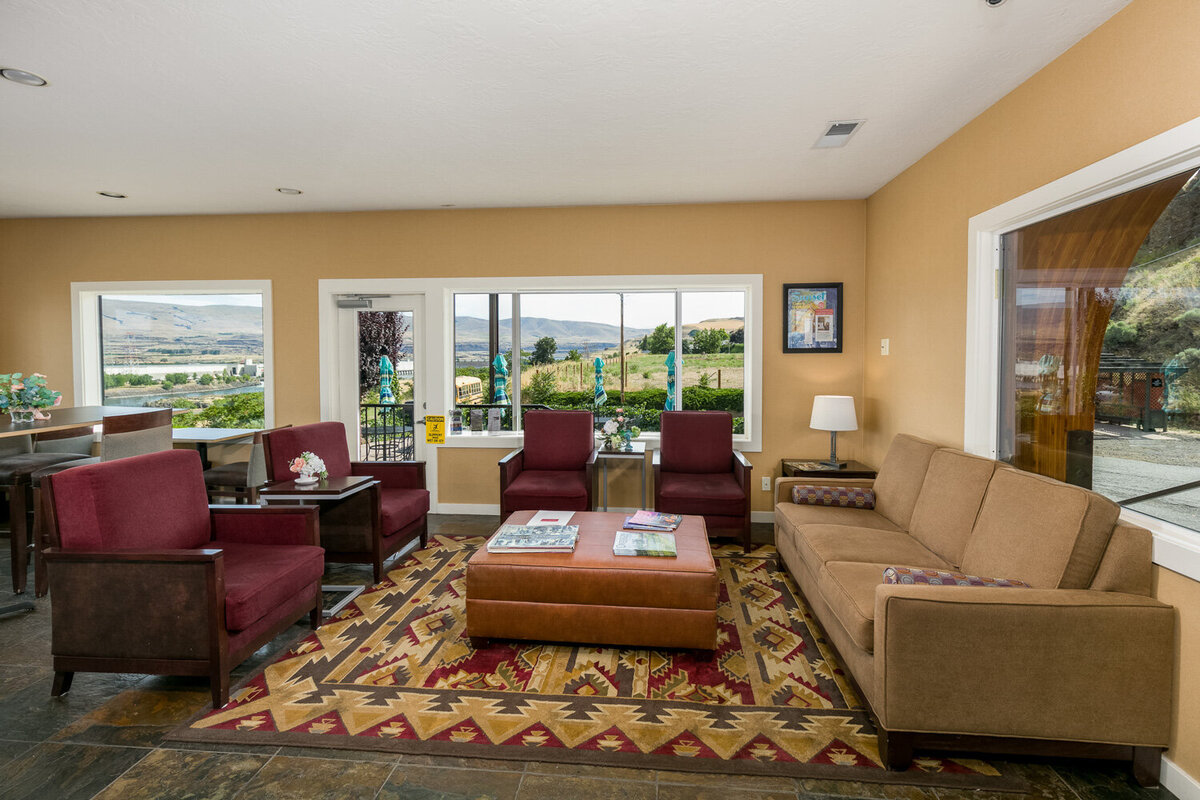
(652, 521)
(534, 539)
(644, 543)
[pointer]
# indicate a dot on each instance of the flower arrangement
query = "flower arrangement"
(618, 431)
(18, 394)
(309, 464)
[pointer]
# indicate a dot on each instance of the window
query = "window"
(646, 350)
(198, 347)
(1100, 353)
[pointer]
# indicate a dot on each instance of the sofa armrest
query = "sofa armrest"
(1076, 665)
(392, 474)
(783, 486)
(167, 604)
(266, 524)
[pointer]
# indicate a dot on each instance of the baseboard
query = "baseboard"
(482, 509)
(1178, 782)
(762, 516)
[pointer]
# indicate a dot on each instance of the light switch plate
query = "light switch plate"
(885, 345)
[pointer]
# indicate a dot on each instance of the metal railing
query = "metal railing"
(385, 432)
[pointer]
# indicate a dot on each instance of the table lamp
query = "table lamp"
(833, 413)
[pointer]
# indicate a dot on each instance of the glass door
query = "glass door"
(381, 393)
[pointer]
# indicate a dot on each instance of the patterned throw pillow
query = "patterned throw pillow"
(842, 496)
(935, 577)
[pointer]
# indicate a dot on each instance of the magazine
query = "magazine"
(551, 518)
(644, 543)
(652, 521)
(534, 539)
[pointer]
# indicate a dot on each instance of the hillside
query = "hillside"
(137, 329)
(471, 334)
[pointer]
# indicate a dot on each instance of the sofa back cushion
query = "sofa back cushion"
(1044, 532)
(900, 477)
(949, 502)
(558, 440)
(697, 442)
(150, 502)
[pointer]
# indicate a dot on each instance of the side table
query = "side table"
(604, 455)
(336, 488)
(812, 468)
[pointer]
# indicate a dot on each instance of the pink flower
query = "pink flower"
(18, 386)
(38, 375)
(58, 400)
(620, 419)
(297, 464)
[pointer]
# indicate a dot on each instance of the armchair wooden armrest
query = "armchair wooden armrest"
(741, 470)
(392, 474)
(266, 524)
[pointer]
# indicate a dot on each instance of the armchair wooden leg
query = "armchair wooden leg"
(424, 532)
(1147, 762)
(318, 611)
(18, 525)
(41, 580)
(219, 680)
(895, 750)
(62, 683)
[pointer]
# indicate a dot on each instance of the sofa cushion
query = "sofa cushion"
(820, 544)
(714, 493)
(937, 577)
(949, 501)
(848, 588)
(564, 490)
(901, 476)
(795, 515)
(400, 507)
(840, 496)
(261, 577)
(1041, 531)
(558, 440)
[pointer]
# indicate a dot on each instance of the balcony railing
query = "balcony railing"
(385, 432)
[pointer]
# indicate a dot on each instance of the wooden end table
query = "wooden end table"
(812, 468)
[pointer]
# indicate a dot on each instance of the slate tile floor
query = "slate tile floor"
(104, 740)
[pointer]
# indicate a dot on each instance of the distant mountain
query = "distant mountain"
(471, 333)
(134, 328)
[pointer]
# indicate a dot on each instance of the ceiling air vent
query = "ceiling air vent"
(838, 133)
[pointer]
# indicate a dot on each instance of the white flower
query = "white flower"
(611, 426)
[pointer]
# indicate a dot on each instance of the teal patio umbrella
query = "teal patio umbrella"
(500, 383)
(670, 404)
(601, 395)
(386, 372)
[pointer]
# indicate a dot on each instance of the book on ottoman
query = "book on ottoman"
(652, 521)
(534, 539)
(644, 543)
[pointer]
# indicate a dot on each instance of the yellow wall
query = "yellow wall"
(1131, 79)
(786, 242)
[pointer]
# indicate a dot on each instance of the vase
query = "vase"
(20, 415)
(627, 441)
(305, 480)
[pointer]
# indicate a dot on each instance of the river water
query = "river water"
(143, 399)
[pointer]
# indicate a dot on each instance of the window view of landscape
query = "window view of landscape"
(199, 352)
(631, 334)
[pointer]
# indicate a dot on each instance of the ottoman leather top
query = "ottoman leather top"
(592, 575)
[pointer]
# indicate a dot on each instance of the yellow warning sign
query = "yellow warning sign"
(435, 429)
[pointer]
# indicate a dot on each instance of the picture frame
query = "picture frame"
(812, 317)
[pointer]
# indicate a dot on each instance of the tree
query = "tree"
(541, 388)
(379, 333)
(709, 341)
(573, 355)
(543, 351)
(661, 341)
(206, 379)
(738, 336)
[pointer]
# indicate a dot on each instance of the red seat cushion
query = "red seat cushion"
(261, 577)
(400, 507)
(713, 493)
(548, 489)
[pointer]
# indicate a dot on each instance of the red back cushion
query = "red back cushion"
(697, 441)
(326, 440)
(558, 439)
(150, 502)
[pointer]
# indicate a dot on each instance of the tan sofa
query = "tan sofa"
(1080, 664)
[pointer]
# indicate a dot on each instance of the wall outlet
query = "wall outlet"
(766, 484)
(885, 346)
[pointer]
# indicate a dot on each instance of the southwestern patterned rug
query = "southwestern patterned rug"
(394, 671)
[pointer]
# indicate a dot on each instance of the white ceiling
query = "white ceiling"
(206, 106)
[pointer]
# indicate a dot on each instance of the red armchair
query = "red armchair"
(147, 578)
(697, 471)
(368, 527)
(554, 470)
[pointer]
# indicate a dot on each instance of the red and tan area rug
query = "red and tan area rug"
(395, 672)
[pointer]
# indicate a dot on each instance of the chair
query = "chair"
(122, 435)
(554, 470)
(697, 471)
(20, 457)
(368, 527)
(147, 578)
(240, 480)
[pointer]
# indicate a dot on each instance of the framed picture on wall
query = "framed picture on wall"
(812, 318)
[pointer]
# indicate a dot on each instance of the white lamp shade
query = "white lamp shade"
(833, 412)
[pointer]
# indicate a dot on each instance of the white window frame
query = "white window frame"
(85, 329)
(1171, 152)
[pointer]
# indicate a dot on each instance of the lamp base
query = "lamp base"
(834, 464)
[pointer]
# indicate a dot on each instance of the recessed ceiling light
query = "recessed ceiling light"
(449, 205)
(113, 195)
(994, 3)
(21, 76)
(285, 190)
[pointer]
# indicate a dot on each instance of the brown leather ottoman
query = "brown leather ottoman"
(591, 595)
